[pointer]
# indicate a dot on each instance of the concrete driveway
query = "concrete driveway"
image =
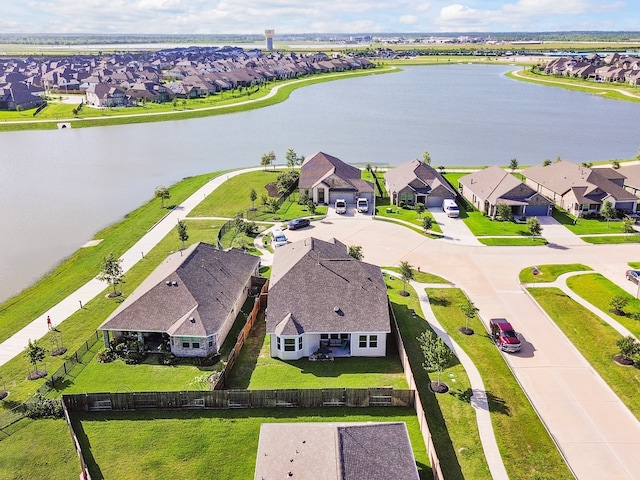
(595, 432)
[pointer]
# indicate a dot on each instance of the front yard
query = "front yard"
(386, 210)
(587, 226)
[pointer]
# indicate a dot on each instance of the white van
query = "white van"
(278, 238)
(450, 207)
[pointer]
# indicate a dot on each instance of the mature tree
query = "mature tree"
(470, 311)
(163, 194)
(35, 353)
(111, 271)
(253, 196)
(427, 223)
(608, 211)
(426, 157)
(292, 158)
(267, 159)
(420, 208)
(513, 165)
(617, 304)
(534, 227)
(355, 251)
(287, 181)
(437, 356)
(615, 164)
(406, 273)
(547, 162)
(182, 232)
(504, 212)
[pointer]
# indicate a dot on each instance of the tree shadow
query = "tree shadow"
(439, 301)
(496, 404)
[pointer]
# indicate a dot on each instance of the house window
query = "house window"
(300, 343)
(373, 341)
(210, 343)
(362, 342)
(289, 344)
(195, 345)
(185, 344)
(324, 336)
(278, 346)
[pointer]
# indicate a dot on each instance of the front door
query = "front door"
(321, 195)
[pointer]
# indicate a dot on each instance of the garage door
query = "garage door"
(434, 201)
(537, 211)
(346, 195)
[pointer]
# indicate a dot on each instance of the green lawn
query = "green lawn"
(206, 444)
(42, 449)
(82, 324)
(599, 291)
(613, 239)
(585, 226)
(527, 452)
(233, 197)
(549, 273)
(366, 175)
(512, 242)
(450, 416)
(482, 225)
(595, 340)
(406, 214)
(421, 277)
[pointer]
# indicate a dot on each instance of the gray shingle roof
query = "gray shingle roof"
(399, 177)
(190, 294)
(497, 186)
(317, 287)
(336, 174)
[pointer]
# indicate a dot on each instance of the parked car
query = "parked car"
(362, 205)
(633, 275)
(341, 206)
(298, 223)
(503, 335)
(278, 238)
(450, 207)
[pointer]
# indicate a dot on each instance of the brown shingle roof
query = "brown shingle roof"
(322, 167)
(399, 177)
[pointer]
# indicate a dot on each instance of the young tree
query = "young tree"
(273, 205)
(504, 212)
(427, 223)
(436, 356)
(534, 227)
(355, 251)
(628, 347)
(264, 198)
(163, 194)
(617, 304)
(615, 164)
(406, 273)
(35, 353)
(513, 165)
(470, 311)
(420, 208)
(292, 158)
(267, 159)
(111, 271)
(253, 196)
(426, 157)
(311, 206)
(608, 211)
(182, 232)
(547, 162)
(627, 225)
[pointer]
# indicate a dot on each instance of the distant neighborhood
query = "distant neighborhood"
(130, 79)
(611, 68)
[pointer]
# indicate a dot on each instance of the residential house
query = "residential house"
(325, 179)
(188, 303)
(322, 299)
(580, 189)
(18, 96)
(104, 95)
(631, 178)
(335, 451)
(417, 182)
(490, 187)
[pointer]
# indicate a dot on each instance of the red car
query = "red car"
(504, 336)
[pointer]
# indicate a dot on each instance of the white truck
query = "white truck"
(362, 205)
(450, 207)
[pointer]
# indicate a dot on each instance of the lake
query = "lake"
(59, 187)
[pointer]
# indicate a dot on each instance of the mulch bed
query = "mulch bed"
(58, 351)
(622, 360)
(36, 375)
(272, 189)
(466, 331)
(3, 394)
(435, 387)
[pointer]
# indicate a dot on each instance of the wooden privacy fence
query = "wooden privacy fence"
(84, 473)
(227, 399)
(422, 417)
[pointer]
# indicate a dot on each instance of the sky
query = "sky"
(315, 16)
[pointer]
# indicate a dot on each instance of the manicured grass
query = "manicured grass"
(207, 444)
(527, 452)
(84, 264)
(595, 340)
(235, 239)
(265, 373)
(599, 291)
(482, 225)
(512, 242)
(82, 324)
(634, 265)
(366, 175)
(233, 197)
(586, 226)
(450, 416)
(421, 277)
(406, 214)
(42, 449)
(613, 239)
(549, 273)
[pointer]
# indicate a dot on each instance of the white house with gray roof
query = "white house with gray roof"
(188, 303)
(321, 299)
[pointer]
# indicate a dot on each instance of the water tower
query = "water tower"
(268, 34)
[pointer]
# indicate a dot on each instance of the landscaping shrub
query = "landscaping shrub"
(167, 359)
(44, 408)
(106, 355)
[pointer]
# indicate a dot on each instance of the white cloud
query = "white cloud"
(409, 20)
